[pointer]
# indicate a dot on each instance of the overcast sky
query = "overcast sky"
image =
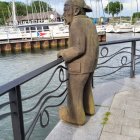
(130, 6)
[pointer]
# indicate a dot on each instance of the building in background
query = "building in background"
(50, 16)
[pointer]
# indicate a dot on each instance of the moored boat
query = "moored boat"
(46, 30)
(110, 28)
(101, 29)
(136, 27)
(123, 28)
(37, 30)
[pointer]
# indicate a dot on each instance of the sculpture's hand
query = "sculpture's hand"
(60, 54)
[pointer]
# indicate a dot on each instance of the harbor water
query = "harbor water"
(15, 65)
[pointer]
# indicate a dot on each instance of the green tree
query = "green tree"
(40, 6)
(114, 8)
(21, 8)
(136, 17)
(3, 12)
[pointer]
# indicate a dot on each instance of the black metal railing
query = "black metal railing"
(128, 56)
(15, 101)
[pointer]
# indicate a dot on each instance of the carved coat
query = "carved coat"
(82, 55)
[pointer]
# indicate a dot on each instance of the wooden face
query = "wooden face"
(68, 13)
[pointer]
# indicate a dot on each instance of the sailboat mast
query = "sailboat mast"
(131, 12)
(27, 11)
(14, 14)
(102, 8)
(32, 10)
(137, 5)
(3, 17)
(120, 10)
(40, 10)
(9, 13)
(92, 8)
(99, 7)
(96, 9)
(108, 8)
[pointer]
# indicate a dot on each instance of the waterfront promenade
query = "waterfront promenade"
(46, 85)
(117, 114)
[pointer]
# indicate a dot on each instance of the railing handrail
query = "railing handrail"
(119, 41)
(25, 78)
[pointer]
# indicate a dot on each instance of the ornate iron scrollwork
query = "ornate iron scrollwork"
(43, 100)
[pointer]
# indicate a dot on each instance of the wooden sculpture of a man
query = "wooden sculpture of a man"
(81, 59)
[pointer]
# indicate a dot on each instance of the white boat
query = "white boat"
(37, 30)
(45, 30)
(123, 28)
(136, 27)
(110, 28)
(54, 30)
(9, 32)
(101, 29)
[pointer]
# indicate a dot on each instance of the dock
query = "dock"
(23, 45)
(117, 114)
(40, 43)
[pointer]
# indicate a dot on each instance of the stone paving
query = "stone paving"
(117, 114)
(124, 121)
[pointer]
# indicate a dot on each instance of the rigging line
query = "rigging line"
(103, 8)
(27, 11)
(40, 10)
(34, 7)
(32, 10)
(99, 7)
(55, 12)
(42, 7)
(48, 10)
(137, 5)
(92, 8)
(14, 13)
(9, 12)
(3, 17)
(53, 9)
(45, 9)
(120, 12)
(108, 7)
(96, 8)
(37, 15)
(131, 12)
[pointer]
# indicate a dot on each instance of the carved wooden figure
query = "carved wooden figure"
(81, 59)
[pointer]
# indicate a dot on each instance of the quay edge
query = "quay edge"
(17, 46)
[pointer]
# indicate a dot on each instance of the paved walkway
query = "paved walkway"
(117, 114)
(124, 114)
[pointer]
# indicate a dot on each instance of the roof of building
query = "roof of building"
(36, 16)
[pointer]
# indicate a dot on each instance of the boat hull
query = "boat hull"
(136, 30)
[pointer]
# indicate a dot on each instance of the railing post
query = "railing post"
(133, 54)
(17, 116)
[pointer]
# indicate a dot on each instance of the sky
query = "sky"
(130, 6)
